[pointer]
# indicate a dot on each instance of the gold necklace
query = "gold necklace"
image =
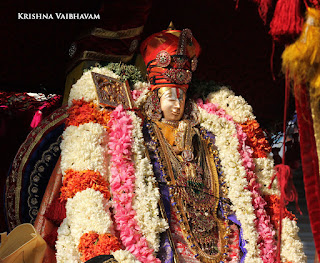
(195, 210)
(172, 123)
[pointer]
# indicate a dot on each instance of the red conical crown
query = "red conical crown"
(170, 57)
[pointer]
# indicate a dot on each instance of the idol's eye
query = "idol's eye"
(169, 97)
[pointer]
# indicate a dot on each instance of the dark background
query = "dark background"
(236, 46)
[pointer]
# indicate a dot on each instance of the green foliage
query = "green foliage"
(126, 72)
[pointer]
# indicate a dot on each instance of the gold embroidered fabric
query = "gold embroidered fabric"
(30, 146)
(315, 111)
(168, 132)
(93, 55)
(111, 260)
(121, 34)
(194, 187)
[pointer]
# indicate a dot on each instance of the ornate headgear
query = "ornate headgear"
(170, 56)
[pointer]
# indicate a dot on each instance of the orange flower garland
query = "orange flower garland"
(256, 139)
(75, 181)
(273, 209)
(83, 112)
(92, 245)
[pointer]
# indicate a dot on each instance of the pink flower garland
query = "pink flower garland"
(122, 186)
(264, 227)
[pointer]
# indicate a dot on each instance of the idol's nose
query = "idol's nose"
(177, 104)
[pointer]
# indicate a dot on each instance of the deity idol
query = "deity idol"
(183, 154)
(161, 178)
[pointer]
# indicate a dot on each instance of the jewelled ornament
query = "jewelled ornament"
(179, 76)
(194, 63)
(163, 59)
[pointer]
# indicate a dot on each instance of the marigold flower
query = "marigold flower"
(83, 112)
(92, 244)
(256, 139)
(76, 181)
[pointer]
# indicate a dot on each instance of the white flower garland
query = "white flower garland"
(264, 169)
(235, 106)
(124, 256)
(67, 251)
(83, 148)
(291, 246)
(85, 88)
(144, 88)
(147, 194)
(86, 212)
(227, 143)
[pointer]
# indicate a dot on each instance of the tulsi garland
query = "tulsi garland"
(126, 72)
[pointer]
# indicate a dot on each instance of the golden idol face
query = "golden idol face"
(172, 104)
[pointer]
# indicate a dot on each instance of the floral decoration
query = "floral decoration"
(244, 159)
(76, 181)
(256, 139)
(266, 240)
(83, 112)
(235, 106)
(83, 148)
(264, 169)
(66, 248)
(124, 256)
(140, 93)
(291, 246)
(147, 194)
(122, 186)
(92, 244)
(85, 88)
(228, 145)
(83, 164)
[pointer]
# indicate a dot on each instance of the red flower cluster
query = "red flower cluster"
(75, 181)
(92, 245)
(83, 112)
(256, 139)
(273, 209)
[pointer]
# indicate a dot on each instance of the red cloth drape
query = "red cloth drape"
(309, 159)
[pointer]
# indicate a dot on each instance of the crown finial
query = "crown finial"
(171, 26)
